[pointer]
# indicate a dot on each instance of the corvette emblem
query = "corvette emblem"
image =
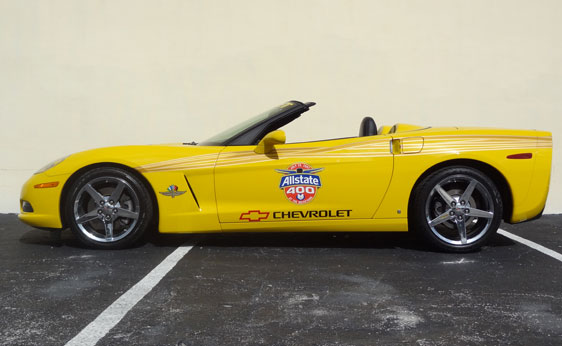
(254, 215)
(172, 191)
(300, 183)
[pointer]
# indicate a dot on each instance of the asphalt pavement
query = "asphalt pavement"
(285, 289)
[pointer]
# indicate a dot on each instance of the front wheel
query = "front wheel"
(456, 209)
(108, 208)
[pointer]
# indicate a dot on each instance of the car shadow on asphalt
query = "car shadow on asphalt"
(49, 238)
(372, 240)
(366, 240)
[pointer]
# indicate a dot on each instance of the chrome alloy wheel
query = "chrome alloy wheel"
(459, 210)
(106, 209)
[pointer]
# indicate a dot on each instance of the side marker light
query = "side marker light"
(523, 156)
(46, 185)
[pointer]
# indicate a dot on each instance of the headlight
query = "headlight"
(51, 165)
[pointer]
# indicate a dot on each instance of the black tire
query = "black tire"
(108, 208)
(451, 198)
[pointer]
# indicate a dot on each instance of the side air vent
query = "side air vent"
(192, 193)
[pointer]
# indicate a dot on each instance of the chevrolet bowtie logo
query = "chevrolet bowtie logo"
(254, 216)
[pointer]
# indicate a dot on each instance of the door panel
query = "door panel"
(336, 179)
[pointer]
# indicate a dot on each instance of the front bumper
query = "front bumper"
(44, 202)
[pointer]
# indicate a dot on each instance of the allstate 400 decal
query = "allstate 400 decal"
(300, 182)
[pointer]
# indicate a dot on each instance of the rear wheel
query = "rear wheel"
(108, 208)
(456, 209)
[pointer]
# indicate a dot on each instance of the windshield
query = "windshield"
(234, 131)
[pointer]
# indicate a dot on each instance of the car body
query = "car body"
(249, 179)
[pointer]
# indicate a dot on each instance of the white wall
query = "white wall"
(84, 74)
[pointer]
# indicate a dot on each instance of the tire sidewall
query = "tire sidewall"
(419, 223)
(145, 207)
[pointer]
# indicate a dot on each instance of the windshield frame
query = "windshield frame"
(251, 131)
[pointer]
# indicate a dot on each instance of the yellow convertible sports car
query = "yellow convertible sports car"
(450, 185)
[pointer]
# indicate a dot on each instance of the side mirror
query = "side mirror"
(271, 139)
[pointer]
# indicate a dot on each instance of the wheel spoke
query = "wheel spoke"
(87, 217)
(109, 230)
(480, 213)
(445, 195)
(96, 196)
(127, 213)
(440, 219)
(461, 226)
(468, 192)
(116, 194)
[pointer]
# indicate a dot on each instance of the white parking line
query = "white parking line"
(531, 244)
(99, 327)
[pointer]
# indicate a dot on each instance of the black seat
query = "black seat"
(368, 127)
